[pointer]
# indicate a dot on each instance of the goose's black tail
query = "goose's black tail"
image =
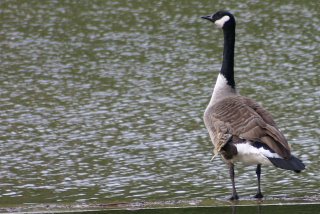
(292, 163)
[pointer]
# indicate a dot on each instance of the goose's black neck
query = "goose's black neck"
(228, 55)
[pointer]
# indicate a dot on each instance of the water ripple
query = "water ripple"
(98, 107)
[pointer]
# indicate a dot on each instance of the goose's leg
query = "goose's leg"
(234, 191)
(258, 172)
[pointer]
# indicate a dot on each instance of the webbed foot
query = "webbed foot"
(258, 195)
(234, 197)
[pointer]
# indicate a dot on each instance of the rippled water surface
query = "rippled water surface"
(103, 100)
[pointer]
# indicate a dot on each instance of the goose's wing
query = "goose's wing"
(243, 118)
(264, 114)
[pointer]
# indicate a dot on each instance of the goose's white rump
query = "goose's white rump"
(250, 155)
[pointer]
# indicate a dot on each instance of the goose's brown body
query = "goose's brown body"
(245, 119)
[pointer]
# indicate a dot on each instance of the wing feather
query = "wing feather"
(244, 118)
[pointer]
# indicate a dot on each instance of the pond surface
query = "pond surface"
(102, 101)
(172, 207)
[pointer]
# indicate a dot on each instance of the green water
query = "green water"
(294, 209)
(102, 101)
(171, 207)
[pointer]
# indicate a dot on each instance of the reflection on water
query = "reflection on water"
(103, 101)
(259, 209)
(169, 207)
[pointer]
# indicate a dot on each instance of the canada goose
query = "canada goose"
(239, 128)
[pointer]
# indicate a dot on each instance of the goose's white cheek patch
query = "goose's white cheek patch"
(222, 21)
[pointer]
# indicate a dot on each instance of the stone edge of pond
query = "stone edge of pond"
(126, 206)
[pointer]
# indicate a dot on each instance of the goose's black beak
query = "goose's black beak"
(209, 17)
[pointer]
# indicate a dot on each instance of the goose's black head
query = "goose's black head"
(223, 19)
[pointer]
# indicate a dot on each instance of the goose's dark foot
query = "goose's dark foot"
(234, 191)
(258, 172)
(258, 195)
(234, 197)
